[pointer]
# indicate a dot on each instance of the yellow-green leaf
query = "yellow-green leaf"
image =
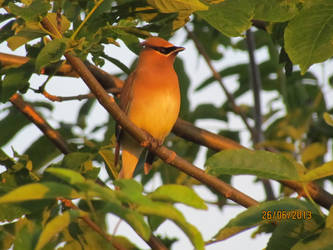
(38, 191)
(178, 193)
(168, 211)
(328, 119)
(64, 22)
(166, 6)
(319, 172)
(68, 175)
(57, 225)
(28, 32)
(329, 219)
(313, 151)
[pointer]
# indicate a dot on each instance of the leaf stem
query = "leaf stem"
(86, 19)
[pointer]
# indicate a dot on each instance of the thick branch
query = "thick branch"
(10, 60)
(203, 137)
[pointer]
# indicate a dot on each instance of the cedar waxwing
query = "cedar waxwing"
(151, 99)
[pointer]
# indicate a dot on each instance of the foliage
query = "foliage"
(46, 200)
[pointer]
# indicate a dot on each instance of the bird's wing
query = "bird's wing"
(124, 103)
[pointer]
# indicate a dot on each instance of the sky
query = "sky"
(208, 222)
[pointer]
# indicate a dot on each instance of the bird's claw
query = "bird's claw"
(151, 141)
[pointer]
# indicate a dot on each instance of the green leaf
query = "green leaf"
(155, 221)
(5, 160)
(260, 163)
(113, 204)
(41, 152)
(15, 79)
(57, 225)
(168, 211)
(7, 31)
(118, 63)
(133, 218)
(26, 236)
(288, 233)
(31, 12)
(75, 160)
(308, 37)
(39, 191)
(268, 212)
(131, 41)
(131, 191)
(166, 6)
(184, 87)
(51, 53)
(208, 111)
(276, 10)
(84, 113)
(108, 157)
(178, 193)
(67, 175)
(9, 212)
(230, 17)
(322, 241)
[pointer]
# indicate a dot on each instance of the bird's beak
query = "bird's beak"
(178, 49)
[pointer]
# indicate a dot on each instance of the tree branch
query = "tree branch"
(39, 121)
(54, 98)
(10, 60)
(216, 142)
(256, 90)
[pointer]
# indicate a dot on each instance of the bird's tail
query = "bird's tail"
(131, 152)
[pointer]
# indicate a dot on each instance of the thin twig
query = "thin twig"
(86, 219)
(218, 78)
(39, 121)
(54, 98)
(255, 83)
(256, 90)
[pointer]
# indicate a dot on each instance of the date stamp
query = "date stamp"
(277, 215)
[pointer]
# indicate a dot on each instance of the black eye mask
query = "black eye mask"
(164, 50)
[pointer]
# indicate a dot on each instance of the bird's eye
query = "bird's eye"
(163, 50)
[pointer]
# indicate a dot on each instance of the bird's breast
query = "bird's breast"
(155, 102)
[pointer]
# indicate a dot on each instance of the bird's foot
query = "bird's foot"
(151, 141)
(171, 157)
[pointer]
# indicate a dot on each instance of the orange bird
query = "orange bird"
(151, 99)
